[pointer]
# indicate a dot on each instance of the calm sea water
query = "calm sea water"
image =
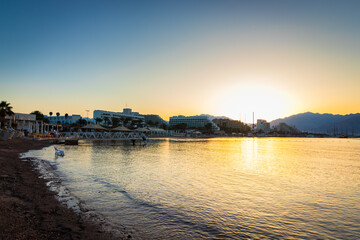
(219, 188)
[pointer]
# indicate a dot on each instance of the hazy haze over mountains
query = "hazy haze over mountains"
(323, 123)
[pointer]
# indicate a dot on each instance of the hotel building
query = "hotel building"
(228, 123)
(155, 119)
(25, 122)
(262, 125)
(193, 122)
(126, 113)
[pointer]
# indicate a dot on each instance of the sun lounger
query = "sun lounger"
(18, 134)
(7, 134)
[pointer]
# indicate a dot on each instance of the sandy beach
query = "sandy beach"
(28, 209)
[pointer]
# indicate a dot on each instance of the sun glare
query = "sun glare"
(267, 102)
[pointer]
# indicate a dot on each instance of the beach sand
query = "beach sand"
(28, 209)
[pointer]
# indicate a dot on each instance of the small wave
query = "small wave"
(47, 170)
(172, 216)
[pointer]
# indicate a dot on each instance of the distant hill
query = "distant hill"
(323, 123)
(211, 117)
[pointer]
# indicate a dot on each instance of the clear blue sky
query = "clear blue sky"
(180, 57)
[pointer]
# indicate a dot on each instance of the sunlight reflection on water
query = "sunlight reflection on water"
(220, 188)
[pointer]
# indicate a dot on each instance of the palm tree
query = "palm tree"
(115, 122)
(58, 122)
(39, 115)
(66, 116)
(5, 109)
(122, 121)
(98, 120)
(107, 120)
(127, 120)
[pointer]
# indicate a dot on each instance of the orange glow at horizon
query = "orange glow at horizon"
(241, 100)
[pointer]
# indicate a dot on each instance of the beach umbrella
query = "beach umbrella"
(142, 130)
(157, 129)
(93, 126)
(121, 129)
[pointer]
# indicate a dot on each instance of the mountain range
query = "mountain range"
(323, 123)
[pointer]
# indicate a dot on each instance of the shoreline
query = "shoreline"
(28, 209)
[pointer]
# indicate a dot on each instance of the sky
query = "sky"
(231, 58)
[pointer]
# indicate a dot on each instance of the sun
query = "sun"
(241, 100)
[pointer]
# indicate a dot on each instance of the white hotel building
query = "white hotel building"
(263, 125)
(126, 113)
(193, 122)
(26, 122)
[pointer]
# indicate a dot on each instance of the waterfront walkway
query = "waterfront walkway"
(101, 135)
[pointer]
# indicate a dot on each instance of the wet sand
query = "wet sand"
(28, 209)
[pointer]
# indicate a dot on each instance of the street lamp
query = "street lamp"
(87, 116)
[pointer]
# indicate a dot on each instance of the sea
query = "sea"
(216, 188)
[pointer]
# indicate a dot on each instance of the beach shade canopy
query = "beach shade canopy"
(142, 130)
(93, 126)
(121, 129)
(157, 129)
